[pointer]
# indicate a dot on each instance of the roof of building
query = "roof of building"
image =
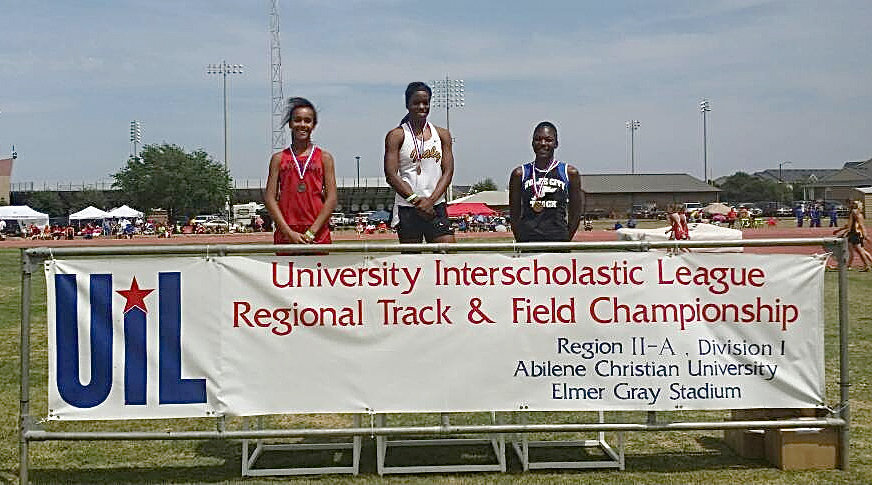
(796, 175)
(493, 198)
(648, 183)
(852, 174)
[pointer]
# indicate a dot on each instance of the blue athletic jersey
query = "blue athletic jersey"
(551, 223)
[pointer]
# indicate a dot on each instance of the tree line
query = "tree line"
(164, 176)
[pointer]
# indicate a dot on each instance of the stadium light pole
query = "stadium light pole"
(224, 69)
(358, 170)
(448, 93)
(136, 137)
(704, 107)
(633, 125)
(781, 179)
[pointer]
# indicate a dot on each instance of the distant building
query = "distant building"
(5, 176)
(806, 178)
(618, 193)
(840, 185)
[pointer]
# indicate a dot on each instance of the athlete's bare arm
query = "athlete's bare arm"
(515, 199)
(393, 142)
(574, 211)
(329, 192)
(447, 171)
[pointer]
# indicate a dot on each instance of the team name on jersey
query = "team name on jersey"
(546, 182)
(431, 152)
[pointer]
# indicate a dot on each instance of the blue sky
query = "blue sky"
(787, 80)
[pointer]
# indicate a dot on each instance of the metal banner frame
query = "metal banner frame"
(29, 432)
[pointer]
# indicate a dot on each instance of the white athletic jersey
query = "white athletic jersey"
(424, 183)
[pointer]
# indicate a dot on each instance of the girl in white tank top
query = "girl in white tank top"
(421, 174)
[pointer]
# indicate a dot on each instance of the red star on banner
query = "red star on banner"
(134, 296)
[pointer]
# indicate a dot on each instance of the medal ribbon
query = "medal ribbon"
(419, 149)
(539, 188)
(302, 171)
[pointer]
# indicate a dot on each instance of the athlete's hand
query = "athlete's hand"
(297, 238)
(424, 205)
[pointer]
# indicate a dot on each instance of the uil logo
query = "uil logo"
(172, 388)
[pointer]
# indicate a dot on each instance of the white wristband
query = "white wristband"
(412, 197)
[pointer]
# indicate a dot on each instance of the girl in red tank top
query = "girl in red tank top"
(301, 187)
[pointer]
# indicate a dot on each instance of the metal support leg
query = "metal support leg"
(249, 461)
(844, 376)
(614, 459)
(383, 444)
(24, 392)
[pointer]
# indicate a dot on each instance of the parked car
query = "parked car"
(338, 219)
(692, 206)
(752, 209)
(218, 225)
(203, 218)
(784, 211)
(841, 209)
(640, 211)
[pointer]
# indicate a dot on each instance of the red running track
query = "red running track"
(266, 238)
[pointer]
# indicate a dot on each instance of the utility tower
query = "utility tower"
(278, 99)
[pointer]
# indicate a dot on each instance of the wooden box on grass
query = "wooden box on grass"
(751, 443)
(803, 448)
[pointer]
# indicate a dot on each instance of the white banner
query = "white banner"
(416, 333)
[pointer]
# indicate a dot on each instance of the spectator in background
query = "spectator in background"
(814, 216)
(731, 218)
(798, 212)
(631, 223)
(834, 216)
(855, 232)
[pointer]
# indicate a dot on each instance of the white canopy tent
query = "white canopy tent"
(123, 212)
(698, 232)
(90, 212)
(493, 198)
(24, 215)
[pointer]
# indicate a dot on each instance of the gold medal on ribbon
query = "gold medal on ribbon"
(539, 185)
(301, 171)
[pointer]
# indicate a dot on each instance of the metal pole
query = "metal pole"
(24, 392)
(844, 377)
(224, 77)
(704, 149)
(358, 170)
(38, 435)
(632, 148)
(226, 165)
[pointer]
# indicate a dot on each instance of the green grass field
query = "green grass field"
(693, 457)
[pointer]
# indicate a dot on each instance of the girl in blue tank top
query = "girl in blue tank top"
(545, 194)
